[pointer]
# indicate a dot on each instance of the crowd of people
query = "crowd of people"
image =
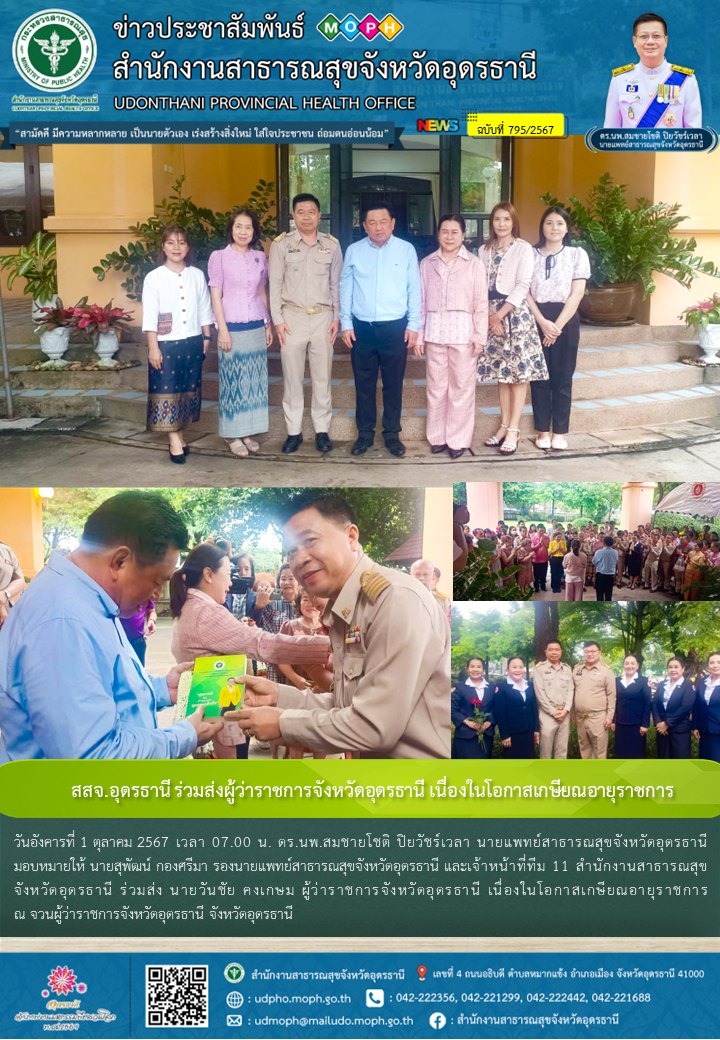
(600, 556)
(530, 713)
(345, 657)
(507, 315)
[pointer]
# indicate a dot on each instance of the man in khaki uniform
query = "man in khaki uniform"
(650, 570)
(594, 703)
(553, 684)
(304, 275)
(390, 643)
(665, 567)
(12, 580)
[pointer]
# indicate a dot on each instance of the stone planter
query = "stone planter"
(37, 305)
(709, 340)
(106, 347)
(608, 304)
(54, 342)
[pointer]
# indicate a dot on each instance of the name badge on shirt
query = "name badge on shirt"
(323, 249)
(291, 249)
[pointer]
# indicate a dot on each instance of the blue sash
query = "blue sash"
(657, 107)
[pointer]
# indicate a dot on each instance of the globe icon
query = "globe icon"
(235, 999)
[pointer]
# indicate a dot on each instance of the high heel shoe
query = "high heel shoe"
(456, 453)
(494, 441)
(510, 449)
(437, 448)
(178, 459)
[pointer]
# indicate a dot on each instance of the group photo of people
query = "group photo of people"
(343, 624)
(506, 314)
(626, 681)
(544, 545)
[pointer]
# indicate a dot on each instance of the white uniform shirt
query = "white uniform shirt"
(521, 687)
(668, 691)
(626, 680)
(710, 688)
(633, 91)
(176, 306)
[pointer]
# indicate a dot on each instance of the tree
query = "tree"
(547, 626)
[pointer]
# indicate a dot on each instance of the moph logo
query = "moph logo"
(54, 50)
(333, 27)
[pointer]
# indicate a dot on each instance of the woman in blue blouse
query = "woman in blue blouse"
(672, 706)
(706, 714)
(516, 712)
(632, 710)
(462, 712)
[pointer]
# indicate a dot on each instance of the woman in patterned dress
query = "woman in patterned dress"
(513, 355)
(238, 286)
(176, 318)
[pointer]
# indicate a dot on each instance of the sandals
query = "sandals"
(510, 449)
(251, 444)
(494, 441)
(239, 449)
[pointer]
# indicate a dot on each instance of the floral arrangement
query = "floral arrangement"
(94, 319)
(704, 313)
(55, 317)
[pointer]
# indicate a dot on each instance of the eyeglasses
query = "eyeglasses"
(655, 37)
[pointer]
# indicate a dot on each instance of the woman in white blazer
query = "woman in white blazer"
(513, 355)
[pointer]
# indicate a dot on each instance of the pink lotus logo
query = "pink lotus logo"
(62, 980)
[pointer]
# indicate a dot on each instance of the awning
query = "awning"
(695, 499)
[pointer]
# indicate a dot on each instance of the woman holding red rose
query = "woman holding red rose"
(476, 693)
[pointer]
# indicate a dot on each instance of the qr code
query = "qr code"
(176, 995)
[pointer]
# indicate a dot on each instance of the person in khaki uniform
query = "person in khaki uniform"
(594, 708)
(650, 571)
(553, 683)
(12, 580)
(667, 563)
(390, 643)
(304, 279)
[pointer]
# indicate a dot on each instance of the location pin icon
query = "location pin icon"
(422, 971)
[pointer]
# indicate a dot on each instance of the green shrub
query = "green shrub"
(681, 520)
(206, 230)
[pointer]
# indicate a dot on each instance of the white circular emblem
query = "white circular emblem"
(54, 50)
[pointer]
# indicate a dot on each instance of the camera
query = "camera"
(241, 583)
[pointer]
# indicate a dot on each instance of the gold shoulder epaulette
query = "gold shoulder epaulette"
(331, 237)
(679, 68)
(623, 68)
(372, 583)
(440, 595)
(280, 237)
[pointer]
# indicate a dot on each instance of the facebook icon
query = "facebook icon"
(437, 1020)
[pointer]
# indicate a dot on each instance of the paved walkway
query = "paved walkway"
(622, 595)
(87, 458)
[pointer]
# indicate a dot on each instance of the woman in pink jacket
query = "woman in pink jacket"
(454, 330)
(513, 355)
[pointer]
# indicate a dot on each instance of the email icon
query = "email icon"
(234, 1020)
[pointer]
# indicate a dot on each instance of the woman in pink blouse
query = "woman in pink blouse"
(574, 564)
(203, 627)
(454, 330)
(238, 287)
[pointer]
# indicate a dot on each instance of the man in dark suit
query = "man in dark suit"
(462, 712)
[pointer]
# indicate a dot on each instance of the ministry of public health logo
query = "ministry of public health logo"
(333, 27)
(54, 50)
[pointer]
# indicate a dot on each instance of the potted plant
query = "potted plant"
(102, 325)
(37, 264)
(705, 317)
(54, 324)
(627, 245)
